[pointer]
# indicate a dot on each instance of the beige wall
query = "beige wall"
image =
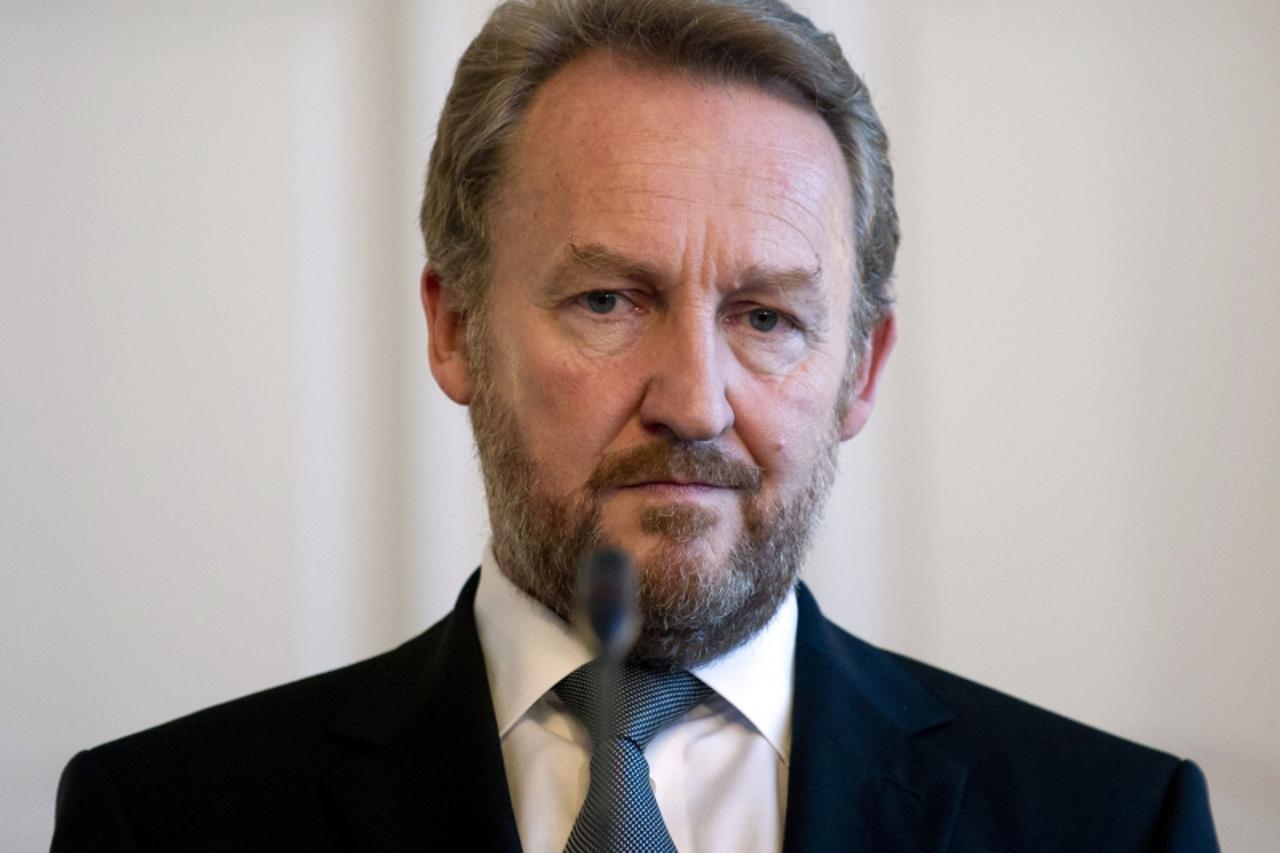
(222, 464)
(1084, 475)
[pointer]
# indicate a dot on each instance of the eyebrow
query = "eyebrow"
(600, 259)
(782, 280)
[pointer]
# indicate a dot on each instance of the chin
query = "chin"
(658, 556)
(707, 550)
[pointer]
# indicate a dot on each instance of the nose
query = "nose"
(686, 397)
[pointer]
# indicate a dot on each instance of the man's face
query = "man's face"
(666, 344)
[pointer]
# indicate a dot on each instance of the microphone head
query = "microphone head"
(607, 611)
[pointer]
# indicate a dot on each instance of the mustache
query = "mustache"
(661, 460)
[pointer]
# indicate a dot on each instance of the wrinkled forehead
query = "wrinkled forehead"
(637, 142)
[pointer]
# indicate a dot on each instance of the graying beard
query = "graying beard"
(691, 615)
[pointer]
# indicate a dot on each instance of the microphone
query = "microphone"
(607, 612)
(608, 615)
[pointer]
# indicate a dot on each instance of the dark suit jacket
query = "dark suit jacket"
(400, 752)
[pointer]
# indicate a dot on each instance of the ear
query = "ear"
(869, 368)
(446, 338)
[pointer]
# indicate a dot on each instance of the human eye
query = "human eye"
(611, 304)
(764, 321)
(600, 301)
(766, 337)
(604, 321)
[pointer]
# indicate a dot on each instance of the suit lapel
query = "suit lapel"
(862, 777)
(419, 760)
(418, 763)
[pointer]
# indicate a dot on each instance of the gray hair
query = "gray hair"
(760, 42)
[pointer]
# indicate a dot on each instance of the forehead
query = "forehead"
(617, 153)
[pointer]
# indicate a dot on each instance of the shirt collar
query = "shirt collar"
(758, 677)
(528, 649)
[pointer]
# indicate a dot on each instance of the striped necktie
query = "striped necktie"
(620, 812)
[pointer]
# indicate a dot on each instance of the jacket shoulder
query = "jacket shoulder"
(265, 720)
(1000, 724)
(1040, 780)
(248, 762)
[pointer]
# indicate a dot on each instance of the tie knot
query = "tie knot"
(647, 699)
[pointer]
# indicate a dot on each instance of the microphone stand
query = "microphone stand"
(609, 616)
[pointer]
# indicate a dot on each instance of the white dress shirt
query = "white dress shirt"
(719, 773)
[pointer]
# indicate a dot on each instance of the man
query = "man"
(660, 239)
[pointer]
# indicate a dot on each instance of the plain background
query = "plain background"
(223, 464)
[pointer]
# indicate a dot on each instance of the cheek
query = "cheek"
(570, 408)
(788, 421)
